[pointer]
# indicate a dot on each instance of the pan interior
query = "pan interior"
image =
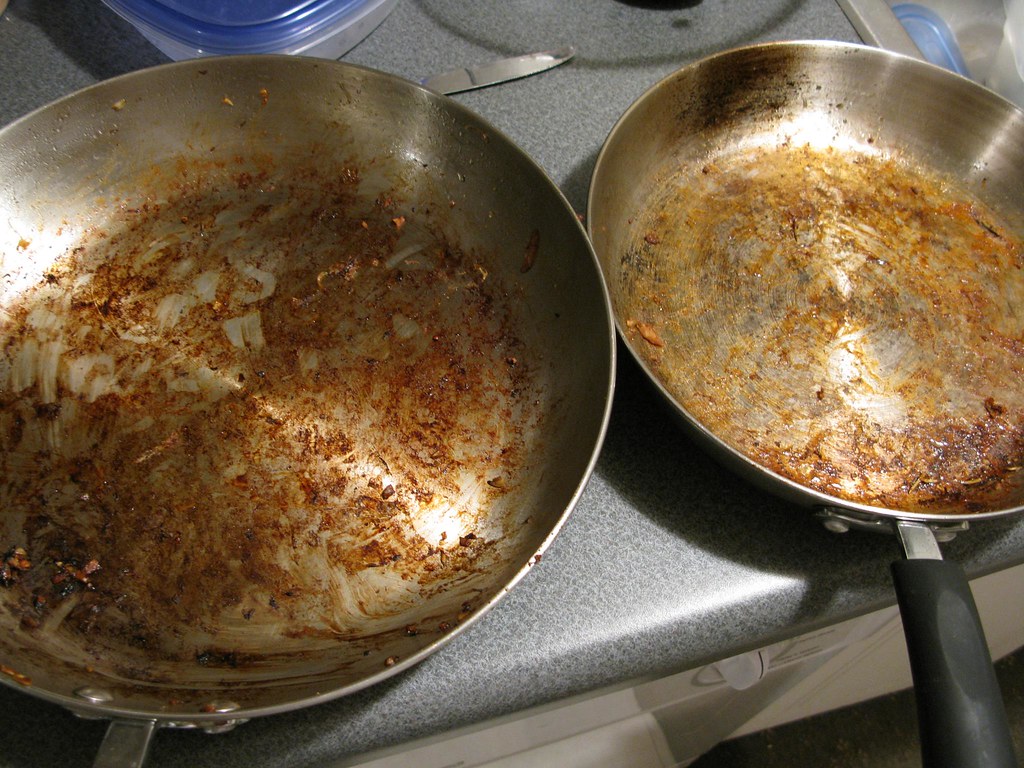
(266, 409)
(826, 302)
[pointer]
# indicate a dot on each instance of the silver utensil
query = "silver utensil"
(500, 71)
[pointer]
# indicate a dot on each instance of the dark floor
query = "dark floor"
(881, 733)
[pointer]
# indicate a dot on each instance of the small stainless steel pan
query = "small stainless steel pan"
(816, 252)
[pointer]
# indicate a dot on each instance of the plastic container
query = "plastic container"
(1007, 74)
(185, 29)
(932, 35)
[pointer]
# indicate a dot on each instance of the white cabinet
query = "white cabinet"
(672, 721)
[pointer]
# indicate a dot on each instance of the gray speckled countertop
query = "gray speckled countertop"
(669, 561)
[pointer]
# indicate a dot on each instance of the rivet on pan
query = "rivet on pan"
(836, 526)
(220, 707)
(94, 695)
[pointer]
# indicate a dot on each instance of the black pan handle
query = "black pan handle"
(960, 709)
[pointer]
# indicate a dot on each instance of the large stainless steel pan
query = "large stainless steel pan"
(816, 251)
(301, 367)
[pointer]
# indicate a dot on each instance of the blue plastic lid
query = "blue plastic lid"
(233, 14)
(932, 36)
(229, 26)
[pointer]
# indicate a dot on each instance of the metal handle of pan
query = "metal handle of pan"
(126, 744)
(961, 717)
(876, 23)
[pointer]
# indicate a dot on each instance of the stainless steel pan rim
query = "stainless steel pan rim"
(110, 104)
(813, 59)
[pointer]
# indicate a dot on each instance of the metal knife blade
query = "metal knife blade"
(499, 71)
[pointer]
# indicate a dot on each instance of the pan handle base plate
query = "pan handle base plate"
(840, 520)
